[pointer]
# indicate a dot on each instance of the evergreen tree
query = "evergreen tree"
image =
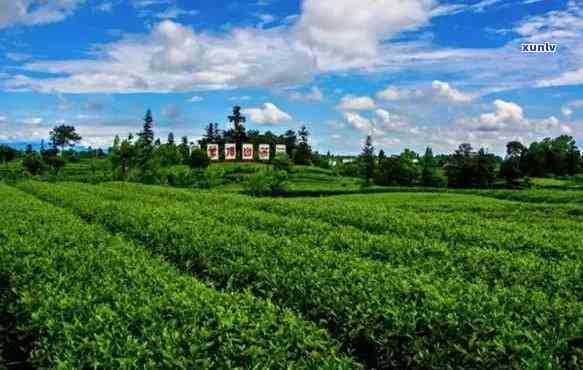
(171, 139)
(303, 153)
(367, 160)
(147, 134)
(382, 156)
(239, 135)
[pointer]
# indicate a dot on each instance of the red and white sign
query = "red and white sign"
(247, 152)
(264, 152)
(230, 152)
(280, 149)
(212, 150)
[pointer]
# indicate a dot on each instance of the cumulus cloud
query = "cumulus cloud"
(568, 109)
(505, 114)
(351, 102)
(173, 58)
(174, 12)
(269, 114)
(315, 95)
(196, 99)
(393, 93)
(35, 12)
(357, 121)
(32, 121)
(444, 90)
(348, 32)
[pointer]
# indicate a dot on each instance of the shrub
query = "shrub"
(198, 159)
(33, 164)
(266, 183)
(282, 162)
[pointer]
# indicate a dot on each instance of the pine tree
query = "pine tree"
(239, 133)
(303, 153)
(382, 156)
(171, 139)
(147, 135)
(367, 158)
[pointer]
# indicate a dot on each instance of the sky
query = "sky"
(412, 73)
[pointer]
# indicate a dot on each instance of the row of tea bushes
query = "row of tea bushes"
(94, 301)
(387, 317)
(492, 265)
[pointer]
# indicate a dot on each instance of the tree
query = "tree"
(467, 168)
(397, 170)
(382, 156)
(64, 136)
(171, 139)
(32, 161)
(184, 150)
(238, 134)
(303, 152)
(199, 159)
(147, 134)
(290, 140)
(7, 153)
(367, 160)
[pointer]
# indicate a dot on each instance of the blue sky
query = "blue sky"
(410, 72)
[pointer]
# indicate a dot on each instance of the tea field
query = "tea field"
(122, 275)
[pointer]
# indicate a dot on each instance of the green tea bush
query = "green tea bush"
(266, 183)
(94, 301)
(388, 317)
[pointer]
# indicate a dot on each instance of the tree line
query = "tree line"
(469, 168)
(140, 157)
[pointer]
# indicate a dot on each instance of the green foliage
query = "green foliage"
(431, 177)
(64, 136)
(282, 162)
(265, 183)
(83, 299)
(367, 161)
(401, 280)
(33, 164)
(199, 159)
(467, 169)
(7, 154)
(401, 170)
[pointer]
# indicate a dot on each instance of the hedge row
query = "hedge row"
(494, 266)
(94, 301)
(387, 317)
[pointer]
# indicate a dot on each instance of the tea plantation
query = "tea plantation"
(122, 275)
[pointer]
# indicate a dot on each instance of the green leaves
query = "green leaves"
(95, 301)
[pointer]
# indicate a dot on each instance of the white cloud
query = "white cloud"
(505, 113)
(171, 111)
(268, 114)
(315, 95)
(568, 109)
(196, 99)
(351, 102)
(444, 90)
(18, 57)
(358, 122)
(3, 118)
(32, 121)
(348, 32)
(392, 93)
(35, 12)
(106, 6)
(173, 58)
(174, 12)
